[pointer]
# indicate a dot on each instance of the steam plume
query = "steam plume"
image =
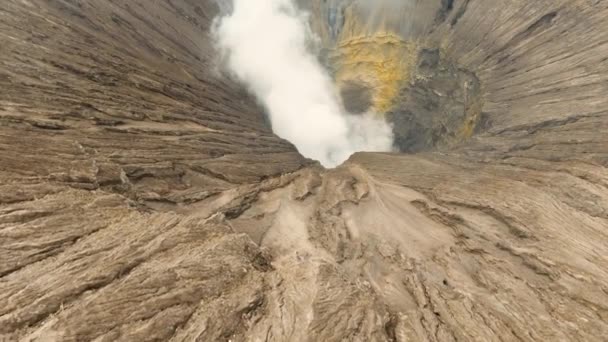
(267, 46)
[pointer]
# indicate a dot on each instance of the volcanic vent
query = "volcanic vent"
(375, 61)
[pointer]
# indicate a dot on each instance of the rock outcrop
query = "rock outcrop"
(144, 197)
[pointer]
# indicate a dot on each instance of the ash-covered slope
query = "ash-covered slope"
(143, 197)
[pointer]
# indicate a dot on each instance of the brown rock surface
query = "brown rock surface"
(143, 196)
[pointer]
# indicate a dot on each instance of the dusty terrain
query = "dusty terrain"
(143, 196)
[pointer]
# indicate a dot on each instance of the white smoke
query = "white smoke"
(267, 47)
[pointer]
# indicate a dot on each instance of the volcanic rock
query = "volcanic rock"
(144, 197)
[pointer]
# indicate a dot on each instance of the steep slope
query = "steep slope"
(143, 196)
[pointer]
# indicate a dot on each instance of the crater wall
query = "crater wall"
(143, 197)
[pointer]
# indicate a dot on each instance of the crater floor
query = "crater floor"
(144, 197)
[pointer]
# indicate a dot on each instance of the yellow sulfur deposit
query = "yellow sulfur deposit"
(380, 60)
